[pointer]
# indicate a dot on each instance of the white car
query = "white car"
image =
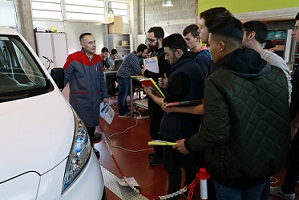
(45, 149)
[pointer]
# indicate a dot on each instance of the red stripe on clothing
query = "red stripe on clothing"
(80, 92)
(80, 57)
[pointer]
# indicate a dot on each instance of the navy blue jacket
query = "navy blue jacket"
(182, 125)
(87, 86)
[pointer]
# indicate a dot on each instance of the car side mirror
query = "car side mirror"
(58, 76)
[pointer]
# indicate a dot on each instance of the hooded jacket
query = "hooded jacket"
(246, 136)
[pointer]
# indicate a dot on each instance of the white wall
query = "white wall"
(73, 31)
(173, 19)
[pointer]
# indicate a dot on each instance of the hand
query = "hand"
(147, 90)
(142, 71)
(180, 146)
(168, 109)
(163, 82)
(105, 100)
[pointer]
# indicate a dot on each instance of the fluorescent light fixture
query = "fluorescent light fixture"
(110, 12)
(167, 3)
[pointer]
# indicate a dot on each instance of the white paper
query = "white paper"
(129, 180)
(151, 64)
(106, 112)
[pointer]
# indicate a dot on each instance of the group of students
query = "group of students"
(245, 134)
(247, 90)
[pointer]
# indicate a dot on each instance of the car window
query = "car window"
(20, 74)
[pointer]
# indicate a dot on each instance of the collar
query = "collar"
(201, 49)
(84, 52)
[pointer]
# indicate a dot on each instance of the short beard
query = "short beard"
(154, 48)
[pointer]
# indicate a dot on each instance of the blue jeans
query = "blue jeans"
(259, 192)
(123, 87)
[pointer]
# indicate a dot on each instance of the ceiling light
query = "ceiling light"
(167, 3)
(110, 12)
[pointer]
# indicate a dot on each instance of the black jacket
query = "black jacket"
(182, 125)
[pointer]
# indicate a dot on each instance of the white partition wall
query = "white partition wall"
(53, 46)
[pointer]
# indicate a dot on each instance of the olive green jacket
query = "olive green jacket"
(246, 124)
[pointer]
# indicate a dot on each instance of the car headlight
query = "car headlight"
(79, 154)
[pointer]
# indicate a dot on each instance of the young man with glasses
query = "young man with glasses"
(154, 41)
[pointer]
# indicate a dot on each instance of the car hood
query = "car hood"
(36, 134)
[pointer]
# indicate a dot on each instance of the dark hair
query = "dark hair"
(104, 49)
(113, 51)
(175, 41)
(269, 45)
(297, 17)
(228, 27)
(82, 36)
(141, 48)
(191, 29)
(259, 28)
(158, 31)
(213, 14)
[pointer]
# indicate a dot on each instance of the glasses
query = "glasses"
(150, 40)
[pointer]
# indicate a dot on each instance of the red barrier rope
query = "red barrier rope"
(201, 175)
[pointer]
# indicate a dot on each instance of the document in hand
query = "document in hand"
(186, 103)
(106, 112)
(150, 83)
(151, 64)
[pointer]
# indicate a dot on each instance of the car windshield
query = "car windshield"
(20, 74)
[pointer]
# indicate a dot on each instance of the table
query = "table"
(142, 103)
(110, 85)
(109, 73)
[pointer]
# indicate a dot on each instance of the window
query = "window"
(20, 74)
(87, 10)
(46, 9)
(120, 9)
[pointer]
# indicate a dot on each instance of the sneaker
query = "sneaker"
(97, 136)
(276, 191)
(127, 115)
(152, 155)
(156, 162)
(142, 117)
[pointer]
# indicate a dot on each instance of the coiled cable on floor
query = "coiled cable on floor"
(181, 191)
(121, 132)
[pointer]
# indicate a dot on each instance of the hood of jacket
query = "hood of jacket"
(246, 63)
(186, 57)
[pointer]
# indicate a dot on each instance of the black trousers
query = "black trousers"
(91, 131)
(173, 162)
(292, 175)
